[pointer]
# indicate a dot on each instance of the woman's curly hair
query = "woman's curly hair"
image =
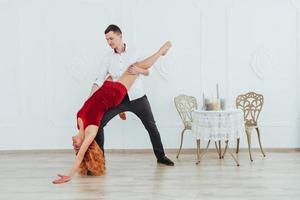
(93, 162)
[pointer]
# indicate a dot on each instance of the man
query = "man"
(114, 64)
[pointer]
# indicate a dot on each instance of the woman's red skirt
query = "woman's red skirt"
(108, 96)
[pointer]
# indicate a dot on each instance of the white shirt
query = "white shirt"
(115, 64)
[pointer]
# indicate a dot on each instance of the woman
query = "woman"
(89, 158)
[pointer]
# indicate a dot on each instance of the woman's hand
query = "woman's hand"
(62, 179)
(77, 142)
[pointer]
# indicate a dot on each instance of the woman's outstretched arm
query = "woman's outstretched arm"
(90, 135)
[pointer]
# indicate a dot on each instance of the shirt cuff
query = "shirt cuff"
(150, 71)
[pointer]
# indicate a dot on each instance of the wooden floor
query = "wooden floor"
(28, 175)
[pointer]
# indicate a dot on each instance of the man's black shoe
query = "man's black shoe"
(166, 161)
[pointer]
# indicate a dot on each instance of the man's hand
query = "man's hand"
(133, 70)
(122, 115)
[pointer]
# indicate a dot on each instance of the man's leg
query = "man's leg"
(142, 109)
(106, 118)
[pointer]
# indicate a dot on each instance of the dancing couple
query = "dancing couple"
(118, 89)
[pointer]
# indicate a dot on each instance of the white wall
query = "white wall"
(50, 53)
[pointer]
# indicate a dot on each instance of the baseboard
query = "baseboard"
(190, 150)
(275, 150)
(168, 151)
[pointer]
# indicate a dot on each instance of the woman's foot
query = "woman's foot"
(164, 49)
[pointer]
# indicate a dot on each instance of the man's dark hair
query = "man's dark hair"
(113, 28)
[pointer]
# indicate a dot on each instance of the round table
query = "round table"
(223, 125)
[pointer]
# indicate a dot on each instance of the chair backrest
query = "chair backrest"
(251, 103)
(185, 105)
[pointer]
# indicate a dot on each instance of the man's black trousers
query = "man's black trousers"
(141, 108)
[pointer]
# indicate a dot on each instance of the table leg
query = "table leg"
(198, 161)
(226, 146)
(234, 158)
(218, 150)
(198, 150)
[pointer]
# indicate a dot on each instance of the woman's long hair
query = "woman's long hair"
(93, 162)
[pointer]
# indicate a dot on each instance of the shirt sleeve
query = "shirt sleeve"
(103, 71)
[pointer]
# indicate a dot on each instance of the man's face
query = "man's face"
(113, 39)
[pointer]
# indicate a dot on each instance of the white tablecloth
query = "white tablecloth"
(218, 125)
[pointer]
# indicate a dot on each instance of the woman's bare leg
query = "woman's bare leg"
(127, 79)
(148, 62)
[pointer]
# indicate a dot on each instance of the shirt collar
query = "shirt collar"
(123, 51)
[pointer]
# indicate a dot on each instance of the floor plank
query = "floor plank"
(27, 175)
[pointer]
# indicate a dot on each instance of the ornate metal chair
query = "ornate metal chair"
(185, 105)
(251, 103)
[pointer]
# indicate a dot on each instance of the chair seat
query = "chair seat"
(251, 126)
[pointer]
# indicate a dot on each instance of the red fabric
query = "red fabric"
(108, 96)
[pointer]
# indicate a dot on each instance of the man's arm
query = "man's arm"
(103, 74)
(95, 87)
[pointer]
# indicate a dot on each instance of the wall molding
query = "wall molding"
(229, 41)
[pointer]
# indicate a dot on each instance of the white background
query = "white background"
(50, 52)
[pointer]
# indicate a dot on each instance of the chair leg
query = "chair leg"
(207, 144)
(237, 145)
(182, 132)
(258, 135)
(248, 133)
(220, 149)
